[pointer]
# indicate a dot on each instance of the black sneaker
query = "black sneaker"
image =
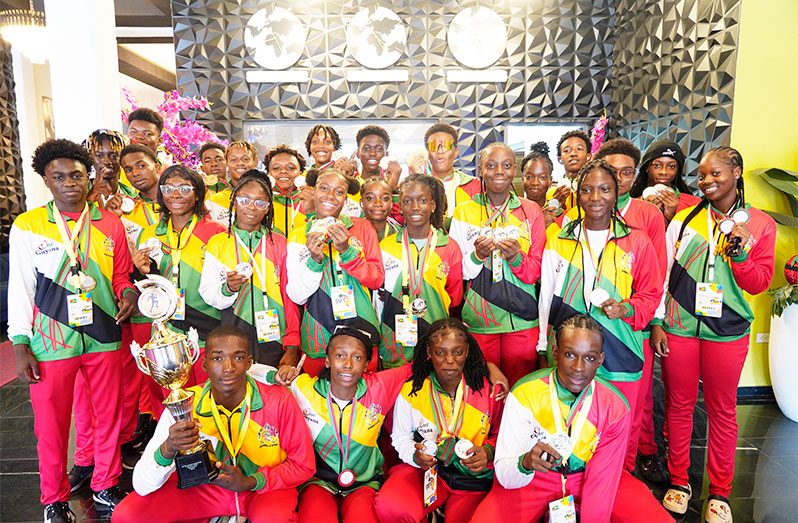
(651, 469)
(140, 433)
(58, 512)
(130, 456)
(110, 497)
(78, 476)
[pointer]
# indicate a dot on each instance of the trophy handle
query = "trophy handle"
(138, 357)
(193, 342)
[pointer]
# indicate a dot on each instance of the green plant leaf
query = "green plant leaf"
(782, 219)
(785, 182)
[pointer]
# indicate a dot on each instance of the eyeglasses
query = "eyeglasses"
(246, 201)
(184, 190)
(434, 146)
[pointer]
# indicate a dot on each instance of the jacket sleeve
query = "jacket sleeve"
(514, 441)
(304, 274)
(528, 270)
(454, 281)
(299, 464)
(149, 475)
(402, 432)
(647, 286)
(603, 472)
(21, 285)
(753, 271)
(671, 235)
(291, 310)
(460, 231)
(496, 408)
(655, 230)
(548, 282)
(123, 262)
(211, 281)
(366, 265)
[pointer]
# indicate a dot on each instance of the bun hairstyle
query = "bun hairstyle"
(312, 177)
(538, 151)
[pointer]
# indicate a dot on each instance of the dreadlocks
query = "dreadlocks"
(475, 369)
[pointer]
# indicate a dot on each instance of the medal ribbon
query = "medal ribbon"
(243, 424)
(497, 212)
(176, 247)
(336, 272)
(260, 268)
(413, 274)
(585, 399)
(288, 199)
(338, 431)
(72, 243)
(716, 239)
(455, 422)
(149, 214)
(598, 261)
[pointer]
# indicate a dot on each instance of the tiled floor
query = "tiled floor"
(765, 482)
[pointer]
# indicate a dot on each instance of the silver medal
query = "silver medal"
(244, 269)
(463, 448)
(561, 442)
(430, 447)
(486, 231)
(726, 225)
(127, 205)
(418, 306)
(87, 283)
(599, 296)
(554, 203)
(512, 232)
(740, 216)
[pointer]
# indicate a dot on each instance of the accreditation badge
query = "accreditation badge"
(563, 510)
(180, 310)
(406, 330)
(79, 309)
(431, 485)
(267, 324)
(343, 302)
(496, 265)
(709, 300)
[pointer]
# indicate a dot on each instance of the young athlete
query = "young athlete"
(718, 250)
(377, 201)
(573, 152)
(241, 157)
(663, 163)
(423, 270)
(536, 168)
(290, 202)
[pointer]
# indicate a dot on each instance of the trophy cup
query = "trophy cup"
(167, 358)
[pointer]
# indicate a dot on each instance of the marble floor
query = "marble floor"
(765, 482)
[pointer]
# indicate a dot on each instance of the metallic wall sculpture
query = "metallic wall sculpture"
(558, 60)
(12, 195)
(674, 69)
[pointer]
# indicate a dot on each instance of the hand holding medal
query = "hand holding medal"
(737, 234)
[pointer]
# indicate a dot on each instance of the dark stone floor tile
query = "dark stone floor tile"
(17, 443)
(13, 397)
(22, 425)
(18, 465)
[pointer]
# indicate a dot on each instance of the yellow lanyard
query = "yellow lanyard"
(586, 398)
(70, 242)
(176, 246)
(243, 424)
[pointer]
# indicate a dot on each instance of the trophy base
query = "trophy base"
(195, 469)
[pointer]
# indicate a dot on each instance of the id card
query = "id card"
(431, 485)
(267, 323)
(406, 330)
(180, 308)
(563, 510)
(343, 302)
(709, 300)
(79, 310)
(496, 266)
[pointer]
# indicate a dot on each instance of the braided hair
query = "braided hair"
(437, 192)
(262, 179)
(475, 369)
(580, 321)
(538, 151)
(312, 176)
(595, 165)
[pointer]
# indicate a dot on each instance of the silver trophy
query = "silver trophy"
(167, 358)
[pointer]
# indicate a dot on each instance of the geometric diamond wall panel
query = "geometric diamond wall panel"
(673, 72)
(12, 193)
(558, 59)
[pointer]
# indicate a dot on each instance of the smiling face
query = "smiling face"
(140, 170)
(662, 170)
(717, 179)
(574, 154)
(213, 163)
(497, 169)
(239, 161)
(624, 167)
(376, 201)
(442, 152)
(329, 195)
(145, 133)
(68, 181)
(597, 198)
(321, 148)
(284, 168)
(346, 359)
(370, 151)
(537, 180)
(227, 359)
(578, 356)
(251, 205)
(177, 203)
(416, 205)
(448, 351)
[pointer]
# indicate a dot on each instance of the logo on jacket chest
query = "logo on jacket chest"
(373, 414)
(46, 247)
(268, 436)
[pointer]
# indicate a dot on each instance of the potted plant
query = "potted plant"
(783, 356)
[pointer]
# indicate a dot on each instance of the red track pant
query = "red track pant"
(151, 394)
(52, 410)
(647, 443)
(718, 365)
(401, 498)
(633, 503)
(319, 505)
(513, 352)
(631, 391)
(85, 420)
(200, 503)
(638, 409)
